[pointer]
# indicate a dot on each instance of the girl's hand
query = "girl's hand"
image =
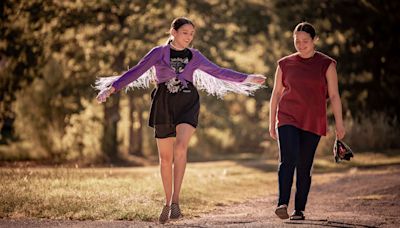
(104, 94)
(340, 131)
(272, 133)
(255, 78)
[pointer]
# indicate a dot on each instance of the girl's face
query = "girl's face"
(183, 36)
(303, 43)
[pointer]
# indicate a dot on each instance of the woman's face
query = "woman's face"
(303, 43)
(183, 36)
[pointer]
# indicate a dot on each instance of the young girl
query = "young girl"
(303, 81)
(178, 71)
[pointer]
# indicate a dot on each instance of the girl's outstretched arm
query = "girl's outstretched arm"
(109, 85)
(135, 72)
(219, 72)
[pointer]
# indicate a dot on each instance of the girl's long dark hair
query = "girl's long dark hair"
(177, 23)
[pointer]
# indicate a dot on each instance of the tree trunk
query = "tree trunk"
(111, 118)
(135, 135)
(131, 147)
(139, 133)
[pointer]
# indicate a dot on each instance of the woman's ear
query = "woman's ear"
(173, 32)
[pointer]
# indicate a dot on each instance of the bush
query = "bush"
(83, 133)
(376, 132)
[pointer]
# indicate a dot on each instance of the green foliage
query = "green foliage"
(51, 52)
(83, 133)
(41, 109)
(374, 132)
(367, 61)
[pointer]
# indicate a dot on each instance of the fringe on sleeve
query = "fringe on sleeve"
(144, 81)
(217, 87)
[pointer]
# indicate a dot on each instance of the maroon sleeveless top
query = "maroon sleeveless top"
(303, 102)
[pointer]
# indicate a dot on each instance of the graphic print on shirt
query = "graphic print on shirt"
(178, 61)
(178, 64)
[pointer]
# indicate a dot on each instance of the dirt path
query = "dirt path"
(356, 198)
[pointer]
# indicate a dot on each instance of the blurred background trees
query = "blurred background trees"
(52, 51)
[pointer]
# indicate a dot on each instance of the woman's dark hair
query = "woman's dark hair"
(179, 22)
(305, 27)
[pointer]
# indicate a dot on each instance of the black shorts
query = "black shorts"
(170, 109)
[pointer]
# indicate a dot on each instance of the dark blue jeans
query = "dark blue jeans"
(296, 150)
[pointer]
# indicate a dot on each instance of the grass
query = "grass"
(122, 193)
(136, 193)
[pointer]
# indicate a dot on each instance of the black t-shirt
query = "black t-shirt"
(179, 59)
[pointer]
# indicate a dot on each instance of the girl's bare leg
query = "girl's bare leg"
(183, 134)
(165, 151)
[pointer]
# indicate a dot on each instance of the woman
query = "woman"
(303, 81)
(178, 70)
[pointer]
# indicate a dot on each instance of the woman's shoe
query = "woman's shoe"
(175, 211)
(164, 216)
(281, 211)
(297, 215)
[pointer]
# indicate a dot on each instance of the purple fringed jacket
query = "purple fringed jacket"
(159, 57)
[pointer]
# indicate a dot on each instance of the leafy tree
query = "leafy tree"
(367, 59)
(51, 52)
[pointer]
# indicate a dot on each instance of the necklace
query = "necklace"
(174, 47)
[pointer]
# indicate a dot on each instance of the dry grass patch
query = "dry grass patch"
(122, 193)
(136, 193)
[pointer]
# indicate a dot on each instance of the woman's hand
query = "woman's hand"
(340, 131)
(104, 94)
(272, 131)
(255, 78)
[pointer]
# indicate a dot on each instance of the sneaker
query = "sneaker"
(281, 211)
(297, 215)
(175, 211)
(164, 214)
